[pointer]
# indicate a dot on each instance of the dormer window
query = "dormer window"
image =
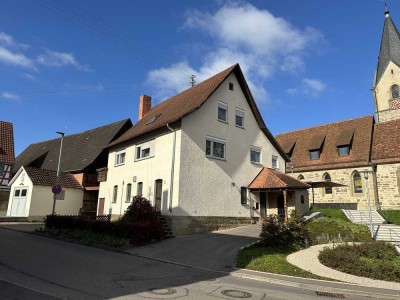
(344, 142)
(316, 145)
(344, 150)
(395, 91)
(315, 154)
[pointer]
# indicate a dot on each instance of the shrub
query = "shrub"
(378, 260)
(276, 233)
(140, 211)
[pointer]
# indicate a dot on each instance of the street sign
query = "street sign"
(56, 189)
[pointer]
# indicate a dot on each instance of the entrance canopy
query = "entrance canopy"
(273, 179)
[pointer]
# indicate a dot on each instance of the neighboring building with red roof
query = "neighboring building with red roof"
(343, 151)
(194, 156)
(32, 195)
(82, 154)
(7, 161)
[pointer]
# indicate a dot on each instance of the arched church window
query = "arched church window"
(357, 183)
(395, 91)
(328, 190)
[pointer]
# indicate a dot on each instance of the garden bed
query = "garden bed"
(376, 260)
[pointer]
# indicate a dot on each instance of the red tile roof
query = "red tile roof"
(188, 101)
(7, 154)
(386, 142)
(49, 178)
(329, 136)
(274, 179)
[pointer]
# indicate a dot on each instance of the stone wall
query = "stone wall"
(388, 115)
(341, 195)
(388, 177)
(182, 226)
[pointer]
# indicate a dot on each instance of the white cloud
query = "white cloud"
(308, 87)
(8, 40)
(15, 59)
(10, 96)
(60, 59)
(29, 76)
(241, 33)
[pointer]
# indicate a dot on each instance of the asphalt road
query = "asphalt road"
(35, 267)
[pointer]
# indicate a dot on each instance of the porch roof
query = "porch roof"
(273, 179)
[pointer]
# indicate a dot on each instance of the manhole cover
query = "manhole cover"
(331, 295)
(236, 294)
(163, 292)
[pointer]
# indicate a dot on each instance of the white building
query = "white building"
(32, 197)
(194, 157)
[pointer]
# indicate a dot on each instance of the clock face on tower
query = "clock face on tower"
(394, 103)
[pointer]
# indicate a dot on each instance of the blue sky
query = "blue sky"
(76, 65)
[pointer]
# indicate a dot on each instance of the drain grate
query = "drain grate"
(331, 295)
(236, 294)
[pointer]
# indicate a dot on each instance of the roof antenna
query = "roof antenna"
(386, 9)
(192, 80)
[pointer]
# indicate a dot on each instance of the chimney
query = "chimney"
(144, 105)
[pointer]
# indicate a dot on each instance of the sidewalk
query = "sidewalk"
(22, 226)
(307, 259)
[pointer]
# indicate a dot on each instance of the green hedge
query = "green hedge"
(377, 260)
(139, 233)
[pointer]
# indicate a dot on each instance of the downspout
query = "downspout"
(374, 172)
(171, 187)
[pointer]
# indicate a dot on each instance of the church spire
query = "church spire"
(390, 46)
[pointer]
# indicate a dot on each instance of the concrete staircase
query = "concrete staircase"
(387, 232)
(382, 230)
(167, 231)
(362, 216)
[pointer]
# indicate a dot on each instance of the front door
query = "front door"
(158, 193)
(263, 204)
(281, 206)
(19, 202)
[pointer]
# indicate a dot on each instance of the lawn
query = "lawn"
(392, 216)
(269, 259)
(336, 214)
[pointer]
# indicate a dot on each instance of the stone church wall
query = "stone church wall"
(388, 178)
(341, 197)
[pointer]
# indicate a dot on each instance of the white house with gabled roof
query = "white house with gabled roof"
(195, 156)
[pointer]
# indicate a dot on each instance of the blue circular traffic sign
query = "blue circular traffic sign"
(56, 189)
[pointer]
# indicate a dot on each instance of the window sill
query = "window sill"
(144, 158)
(256, 163)
(222, 121)
(217, 158)
(119, 165)
(241, 127)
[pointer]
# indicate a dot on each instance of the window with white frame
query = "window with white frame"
(115, 194)
(120, 157)
(255, 155)
(128, 192)
(145, 150)
(274, 163)
(239, 117)
(215, 148)
(222, 112)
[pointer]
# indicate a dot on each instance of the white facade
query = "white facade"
(202, 185)
(36, 201)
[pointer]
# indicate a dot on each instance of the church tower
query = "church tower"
(387, 76)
